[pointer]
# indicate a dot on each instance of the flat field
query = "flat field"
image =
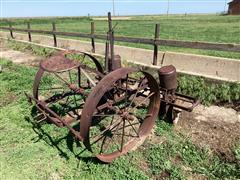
(210, 28)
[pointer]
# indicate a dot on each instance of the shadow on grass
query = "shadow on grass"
(55, 143)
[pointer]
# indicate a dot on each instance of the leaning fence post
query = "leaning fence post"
(54, 34)
(29, 32)
(92, 34)
(155, 53)
(11, 31)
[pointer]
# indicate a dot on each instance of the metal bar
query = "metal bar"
(92, 33)
(11, 30)
(155, 52)
(40, 103)
(29, 32)
(88, 77)
(54, 34)
(175, 43)
(111, 40)
(79, 77)
(106, 56)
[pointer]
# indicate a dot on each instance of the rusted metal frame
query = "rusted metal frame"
(29, 32)
(178, 106)
(185, 98)
(99, 68)
(47, 116)
(92, 33)
(155, 52)
(77, 90)
(54, 34)
(181, 96)
(11, 30)
(48, 110)
(163, 42)
(98, 93)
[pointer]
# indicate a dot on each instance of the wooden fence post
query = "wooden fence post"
(11, 31)
(111, 40)
(92, 34)
(155, 52)
(54, 35)
(29, 32)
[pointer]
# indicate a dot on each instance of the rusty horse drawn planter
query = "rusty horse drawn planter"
(116, 106)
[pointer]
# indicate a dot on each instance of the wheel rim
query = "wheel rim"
(52, 88)
(118, 129)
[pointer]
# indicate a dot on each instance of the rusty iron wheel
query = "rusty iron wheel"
(131, 100)
(63, 84)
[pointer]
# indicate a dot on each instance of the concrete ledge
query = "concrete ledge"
(210, 67)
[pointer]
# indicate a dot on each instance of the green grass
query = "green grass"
(210, 28)
(29, 151)
(209, 93)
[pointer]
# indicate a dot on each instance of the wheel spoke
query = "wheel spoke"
(103, 115)
(113, 137)
(144, 100)
(135, 95)
(74, 97)
(108, 128)
(106, 138)
(48, 89)
(88, 77)
(79, 77)
(63, 80)
(126, 96)
(133, 128)
(123, 132)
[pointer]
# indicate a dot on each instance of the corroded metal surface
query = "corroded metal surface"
(116, 107)
(168, 77)
(58, 63)
(100, 93)
(169, 98)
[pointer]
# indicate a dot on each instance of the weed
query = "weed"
(37, 50)
(208, 93)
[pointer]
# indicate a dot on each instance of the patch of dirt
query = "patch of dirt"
(164, 175)
(234, 105)
(214, 127)
(8, 98)
(19, 57)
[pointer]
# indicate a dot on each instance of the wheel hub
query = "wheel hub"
(124, 114)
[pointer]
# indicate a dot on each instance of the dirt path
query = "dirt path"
(17, 56)
(217, 128)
